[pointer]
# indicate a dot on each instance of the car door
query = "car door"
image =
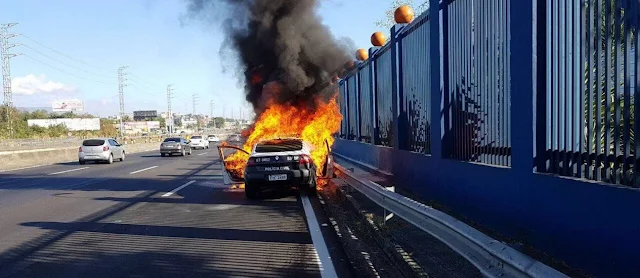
(327, 173)
(231, 149)
(115, 148)
(120, 147)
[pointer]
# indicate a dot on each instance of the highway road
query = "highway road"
(151, 216)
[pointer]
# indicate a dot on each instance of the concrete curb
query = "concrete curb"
(16, 160)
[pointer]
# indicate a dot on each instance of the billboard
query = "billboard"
(143, 126)
(74, 124)
(67, 106)
(144, 115)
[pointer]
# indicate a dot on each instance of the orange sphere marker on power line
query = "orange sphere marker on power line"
(378, 39)
(403, 14)
(362, 54)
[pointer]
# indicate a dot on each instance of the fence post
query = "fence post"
(374, 97)
(436, 93)
(523, 21)
(397, 126)
(356, 87)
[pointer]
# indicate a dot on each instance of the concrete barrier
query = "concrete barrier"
(11, 160)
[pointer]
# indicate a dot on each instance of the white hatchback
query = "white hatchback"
(100, 150)
(198, 141)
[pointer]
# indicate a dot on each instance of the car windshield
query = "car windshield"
(172, 140)
(93, 142)
(196, 137)
(279, 145)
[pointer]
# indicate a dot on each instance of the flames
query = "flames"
(313, 126)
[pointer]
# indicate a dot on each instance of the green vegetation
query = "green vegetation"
(21, 129)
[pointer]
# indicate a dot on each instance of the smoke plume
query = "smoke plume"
(286, 54)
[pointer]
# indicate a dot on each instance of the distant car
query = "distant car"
(234, 138)
(197, 141)
(175, 145)
(100, 150)
(276, 163)
(213, 138)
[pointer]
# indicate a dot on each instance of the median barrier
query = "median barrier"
(11, 160)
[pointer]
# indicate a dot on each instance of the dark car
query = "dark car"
(234, 138)
(175, 145)
(281, 163)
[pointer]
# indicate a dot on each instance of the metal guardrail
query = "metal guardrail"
(491, 257)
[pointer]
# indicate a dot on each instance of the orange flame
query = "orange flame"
(314, 127)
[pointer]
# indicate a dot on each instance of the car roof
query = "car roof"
(98, 138)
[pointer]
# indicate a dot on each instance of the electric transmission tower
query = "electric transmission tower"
(121, 85)
(195, 100)
(212, 105)
(169, 121)
(6, 72)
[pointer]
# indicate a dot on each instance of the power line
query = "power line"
(66, 72)
(60, 53)
(143, 91)
(59, 61)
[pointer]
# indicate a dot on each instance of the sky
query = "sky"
(71, 49)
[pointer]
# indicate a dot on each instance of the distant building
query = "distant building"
(145, 115)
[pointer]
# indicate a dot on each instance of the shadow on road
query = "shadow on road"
(200, 231)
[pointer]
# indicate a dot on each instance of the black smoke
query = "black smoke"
(284, 51)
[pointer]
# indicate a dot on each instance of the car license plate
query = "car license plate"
(282, 177)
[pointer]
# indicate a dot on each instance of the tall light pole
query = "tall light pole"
(121, 85)
(169, 122)
(6, 71)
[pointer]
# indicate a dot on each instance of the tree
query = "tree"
(163, 121)
(107, 128)
(219, 122)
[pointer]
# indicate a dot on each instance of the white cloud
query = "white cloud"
(36, 85)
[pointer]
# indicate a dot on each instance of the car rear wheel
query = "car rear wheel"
(163, 155)
(110, 160)
(183, 153)
(82, 162)
(251, 191)
(122, 157)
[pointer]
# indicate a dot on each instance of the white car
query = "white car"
(213, 138)
(198, 141)
(100, 150)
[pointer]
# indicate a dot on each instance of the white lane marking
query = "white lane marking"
(142, 170)
(67, 171)
(177, 189)
(202, 153)
(326, 265)
(22, 168)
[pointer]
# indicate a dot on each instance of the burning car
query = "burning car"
(280, 163)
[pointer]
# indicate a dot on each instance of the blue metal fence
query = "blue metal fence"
(365, 114)
(484, 108)
(384, 97)
(590, 89)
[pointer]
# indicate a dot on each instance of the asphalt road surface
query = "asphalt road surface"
(151, 216)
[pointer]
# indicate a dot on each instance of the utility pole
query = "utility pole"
(121, 85)
(195, 100)
(212, 106)
(169, 121)
(6, 72)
